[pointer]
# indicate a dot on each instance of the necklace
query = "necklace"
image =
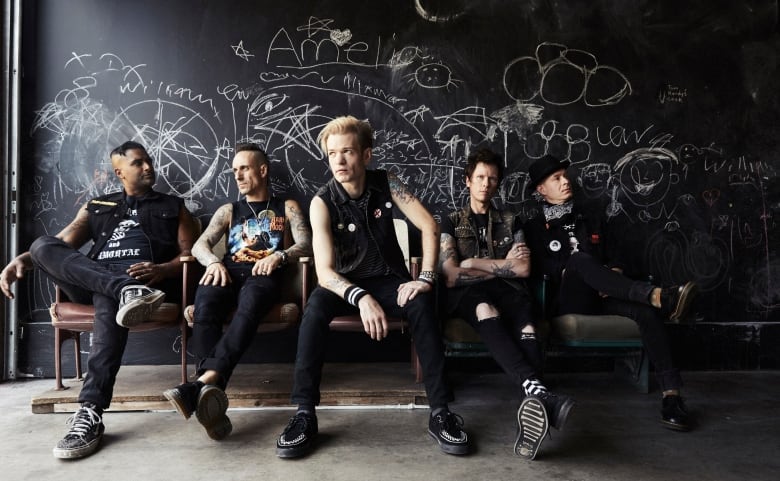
(263, 213)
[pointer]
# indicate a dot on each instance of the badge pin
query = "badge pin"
(351, 227)
(555, 246)
(388, 204)
(377, 214)
(340, 226)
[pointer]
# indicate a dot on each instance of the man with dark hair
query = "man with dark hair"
(254, 234)
(484, 259)
(138, 236)
(575, 249)
(360, 268)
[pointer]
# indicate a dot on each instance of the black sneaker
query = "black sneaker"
(136, 304)
(674, 415)
(558, 407)
(298, 437)
(184, 397)
(446, 429)
(212, 405)
(84, 435)
(676, 300)
(532, 427)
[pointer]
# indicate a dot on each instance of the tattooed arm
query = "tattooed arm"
(419, 216)
(300, 230)
(75, 234)
(203, 250)
(455, 274)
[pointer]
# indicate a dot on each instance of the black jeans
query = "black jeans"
(86, 281)
(323, 305)
(252, 297)
(501, 335)
(585, 277)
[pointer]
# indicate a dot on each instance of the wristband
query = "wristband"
(353, 294)
(427, 276)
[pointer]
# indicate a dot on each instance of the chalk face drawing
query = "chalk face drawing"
(432, 101)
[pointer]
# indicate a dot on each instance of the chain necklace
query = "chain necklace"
(264, 213)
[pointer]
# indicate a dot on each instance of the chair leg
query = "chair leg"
(416, 366)
(58, 359)
(77, 348)
(184, 352)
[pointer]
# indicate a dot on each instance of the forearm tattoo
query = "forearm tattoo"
(466, 279)
(301, 233)
(503, 271)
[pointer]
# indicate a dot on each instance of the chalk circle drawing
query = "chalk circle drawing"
(764, 288)
(425, 13)
(646, 175)
(184, 145)
(673, 256)
(558, 75)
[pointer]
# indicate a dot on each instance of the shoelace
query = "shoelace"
(452, 423)
(83, 421)
(297, 421)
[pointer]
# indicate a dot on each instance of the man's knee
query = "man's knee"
(486, 311)
(40, 245)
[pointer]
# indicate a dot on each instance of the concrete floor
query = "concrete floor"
(613, 434)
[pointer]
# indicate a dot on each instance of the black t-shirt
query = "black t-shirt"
(128, 243)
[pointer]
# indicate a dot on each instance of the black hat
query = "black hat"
(543, 168)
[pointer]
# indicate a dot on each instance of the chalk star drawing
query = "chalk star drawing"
(241, 51)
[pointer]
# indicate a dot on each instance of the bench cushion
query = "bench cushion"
(580, 327)
(80, 317)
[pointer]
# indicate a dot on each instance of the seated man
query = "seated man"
(246, 279)
(572, 246)
(483, 257)
(360, 268)
(138, 235)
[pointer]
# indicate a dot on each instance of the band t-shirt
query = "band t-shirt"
(256, 231)
(128, 243)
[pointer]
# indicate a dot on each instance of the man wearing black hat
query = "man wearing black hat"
(572, 247)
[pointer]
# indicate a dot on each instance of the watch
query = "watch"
(283, 255)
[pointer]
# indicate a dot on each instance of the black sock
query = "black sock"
(306, 408)
(438, 410)
(532, 350)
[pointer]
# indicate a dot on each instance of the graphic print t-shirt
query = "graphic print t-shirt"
(253, 237)
(128, 243)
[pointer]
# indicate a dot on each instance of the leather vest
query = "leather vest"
(353, 228)
(499, 233)
(158, 215)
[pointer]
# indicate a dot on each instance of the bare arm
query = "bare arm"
(218, 226)
(216, 273)
(454, 273)
(413, 209)
(301, 232)
(516, 264)
(75, 234)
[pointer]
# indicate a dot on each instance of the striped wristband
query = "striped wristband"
(353, 294)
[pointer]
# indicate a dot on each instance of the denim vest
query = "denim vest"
(353, 229)
(158, 215)
(499, 234)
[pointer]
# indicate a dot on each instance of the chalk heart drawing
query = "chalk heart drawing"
(710, 196)
(340, 37)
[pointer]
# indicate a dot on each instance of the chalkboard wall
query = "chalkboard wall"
(667, 110)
